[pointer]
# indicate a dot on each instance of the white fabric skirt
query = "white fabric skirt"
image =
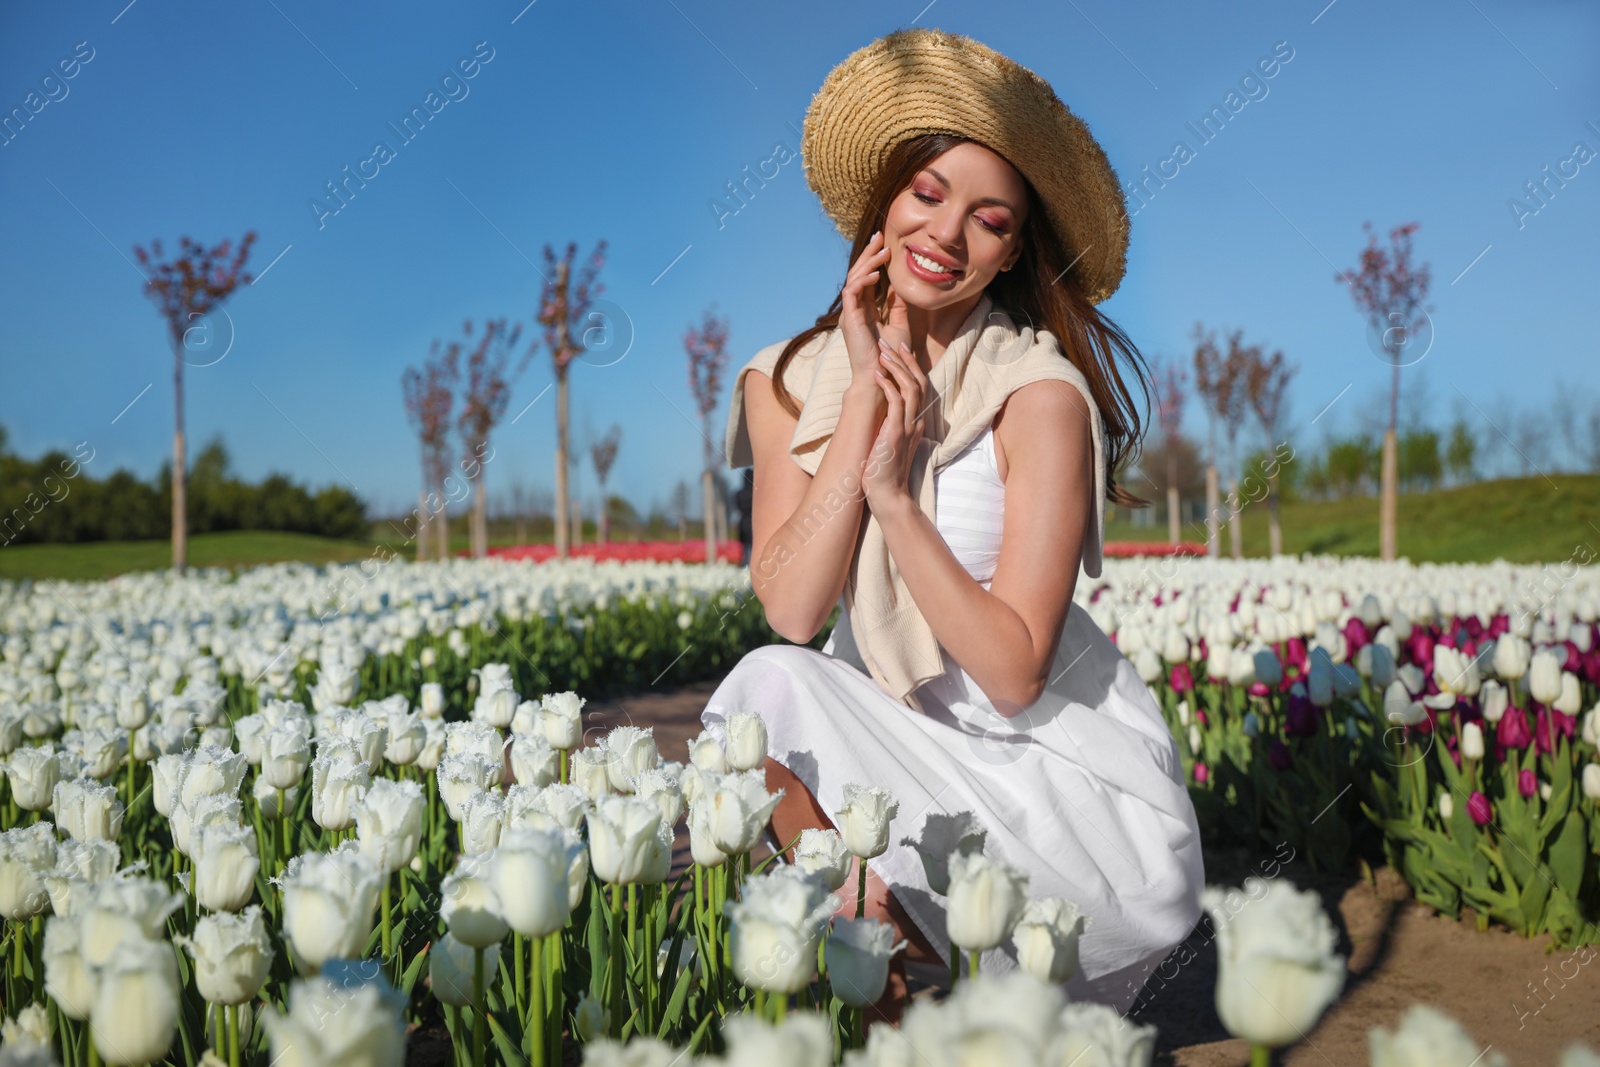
(1084, 790)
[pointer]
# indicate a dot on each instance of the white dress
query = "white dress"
(1084, 790)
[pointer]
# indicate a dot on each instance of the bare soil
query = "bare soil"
(1520, 996)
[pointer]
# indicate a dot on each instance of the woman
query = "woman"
(943, 480)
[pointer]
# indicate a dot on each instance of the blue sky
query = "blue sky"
(626, 121)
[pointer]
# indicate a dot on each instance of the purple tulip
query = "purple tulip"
(1259, 689)
(1295, 654)
(1512, 731)
(1574, 657)
(1181, 681)
(1201, 774)
(1542, 734)
(1422, 649)
(1355, 635)
(1500, 624)
(1527, 783)
(1480, 810)
(1279, 756)
(1301, 718)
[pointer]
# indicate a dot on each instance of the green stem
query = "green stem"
(616, 961)
(861, 888)
(518, 956)
(955, 966)
(1260, 1056)
(480, 1009)
(972, 967)
(536, 1041)
(387, 881)
(565, 774)
(233, 1036)
(780, 1007)
(555, 996)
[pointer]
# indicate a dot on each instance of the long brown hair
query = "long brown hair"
(1039, 290)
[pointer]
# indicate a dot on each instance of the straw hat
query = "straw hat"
(920, 80)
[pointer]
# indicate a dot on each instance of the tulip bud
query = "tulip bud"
(330, 1023)
(588, 769)
(531, 870)
(1511, 657)
(1427, 1035)
(864, 819)
(1493, 700)
(1046, 939)
(68, 979)
(592, 1019)
(1276, 969)
(533, 761)
(232, 955)
(774, 928)
(1471, 741)
(1570, 702)
(406, 739)
(88, 811)
(629, 751)
(986, 899)
(629, 842)
(702, 842)
(451, 972)
(857, 955)
(1591, 781)
(329, 905)
(389, 820)
(32, 774)
(337, 784)
(460, 777)
(471, 908)
(1447, 806)
(285, 755)
(706, 753)
(27, 855)
(822, 853)
(135, 1012)
(942, 837)
(661, 787)
(746, 747)
(1544, 677)
(482, 819)
(432, 698)
(740, 808)
(561, 719)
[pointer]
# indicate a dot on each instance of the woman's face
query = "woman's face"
(964, 212)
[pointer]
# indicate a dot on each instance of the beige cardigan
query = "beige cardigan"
(967, 386)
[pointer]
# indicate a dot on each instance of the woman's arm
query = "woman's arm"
(805, 527)
(1006, 637)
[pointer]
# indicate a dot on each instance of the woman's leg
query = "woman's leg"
(798, 810)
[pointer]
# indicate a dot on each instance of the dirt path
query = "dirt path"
(1511, 993)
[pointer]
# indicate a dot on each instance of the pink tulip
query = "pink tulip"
(1527, 783)
(1201, 774)
(1479, 808)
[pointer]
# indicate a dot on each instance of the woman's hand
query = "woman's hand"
(886, 477)
(858, 317)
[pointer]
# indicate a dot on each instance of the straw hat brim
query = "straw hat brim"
(922, 80)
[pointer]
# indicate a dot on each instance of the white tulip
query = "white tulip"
(1454, 673)
(121, 909)
(533, 761)
(629, 842)
(482, 819)
(451, 970)
(79, 865)
(740, 808)
(329, 905)
(1276, 971)
(432, 751)
(1399, 708)
(864, 819)
(232, 956)
(1493, 700)
(857, 954)
(531, 870)
(1046, 938)
(285, 755)
(1570, 701)
(460, 777)
(629, 751)
(588, 770)
(407, 736)
(1544, 677)
(706, 753)
(432, 699)
(88, 811)
(337, 784)
(27, 856)
(1319, 681)
(274, 803)
(702, 842)
(103, 751)
(135, 1012)
(497, 707)
(1269, 670)
(1095, 1033)
(560, 719)
(986, 899)
(1512, 657)
(1426, 1037)
(1471, 741)
(562, 806)
(32, 774)
(746, 747)
(661, 787)
(1447, 806)
(822, 853)
(68, 980)
(592, 1019)
(133, 708)
(225, 865)
(1591, 726)
(1591, 781)
(471, 907)
(389, 819)
(942, 837)
(774, 929)
(332, 1025)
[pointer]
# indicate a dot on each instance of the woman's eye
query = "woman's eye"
(925, 199)
(991, 227)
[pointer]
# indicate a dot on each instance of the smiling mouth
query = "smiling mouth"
(930, 269)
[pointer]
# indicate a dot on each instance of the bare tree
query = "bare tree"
(1266, 386)
(1207, 378)
(708, 356)
(519, 509)
(1391, 293)
(564, 314)
(186, 289)
(1232, 405)
(430, 395)
(604, 454)
(489, 379)
(680, 508)
(1171, 382)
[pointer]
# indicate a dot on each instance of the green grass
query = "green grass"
(102, 559)
(1522, 520)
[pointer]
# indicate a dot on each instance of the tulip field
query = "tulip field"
(295, 815)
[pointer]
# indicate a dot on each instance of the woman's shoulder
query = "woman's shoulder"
(801, 364)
